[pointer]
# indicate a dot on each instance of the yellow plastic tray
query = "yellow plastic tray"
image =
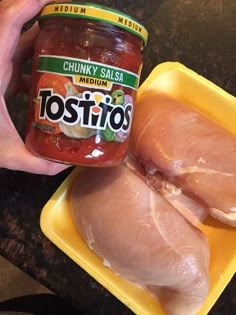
(56, 222)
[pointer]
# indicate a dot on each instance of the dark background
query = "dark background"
(200, 34)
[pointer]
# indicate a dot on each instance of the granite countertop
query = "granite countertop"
(199, 34)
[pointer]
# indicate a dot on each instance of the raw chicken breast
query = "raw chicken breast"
(190, 150)
(141, 237)
(193, 210)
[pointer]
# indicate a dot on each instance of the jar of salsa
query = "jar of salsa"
(86, 71)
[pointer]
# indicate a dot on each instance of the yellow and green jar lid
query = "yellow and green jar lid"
(95, 12)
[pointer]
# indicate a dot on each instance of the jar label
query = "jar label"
(88, 73)
(82, 98)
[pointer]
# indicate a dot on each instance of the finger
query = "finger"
(23, 52)
(26, 44)
(14, 82)
(25, 47)
(13, 14)
(23, 160)
(17, 157)
(13, 152)
(21, 11)
(21, 83)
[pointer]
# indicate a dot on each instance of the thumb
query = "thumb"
(24, 51)
(21, 11)
(13, 15)
(25, 47)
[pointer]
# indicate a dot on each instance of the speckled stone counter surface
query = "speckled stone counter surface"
(200, 34)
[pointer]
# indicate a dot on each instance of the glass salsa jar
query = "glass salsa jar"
(86, 71)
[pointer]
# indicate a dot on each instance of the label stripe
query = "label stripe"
(72, 67)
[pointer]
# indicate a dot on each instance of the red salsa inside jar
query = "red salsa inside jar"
(86, 71)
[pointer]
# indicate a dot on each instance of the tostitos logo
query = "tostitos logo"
(90, 109)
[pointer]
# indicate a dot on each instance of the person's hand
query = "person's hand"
(15, 50)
